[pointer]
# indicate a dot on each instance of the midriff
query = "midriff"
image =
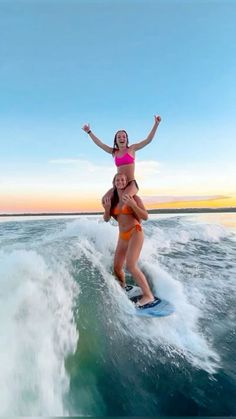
(126, 222)
(128, 170)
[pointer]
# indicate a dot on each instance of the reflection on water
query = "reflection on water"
(224, 218)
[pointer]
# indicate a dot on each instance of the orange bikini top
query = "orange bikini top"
(123, 210)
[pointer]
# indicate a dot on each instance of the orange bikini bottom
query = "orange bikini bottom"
(125, 235)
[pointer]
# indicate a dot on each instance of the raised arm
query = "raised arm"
(96, 140)
(150, 136)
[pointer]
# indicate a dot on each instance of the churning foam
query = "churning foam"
(180, 332)
(37, 332)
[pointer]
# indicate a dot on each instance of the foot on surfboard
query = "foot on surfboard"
(151, 304)
(155, 308)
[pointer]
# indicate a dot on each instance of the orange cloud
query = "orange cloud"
(71, 202)
(49, 203)
(221, 202)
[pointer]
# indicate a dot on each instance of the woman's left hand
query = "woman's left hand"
(157, 119)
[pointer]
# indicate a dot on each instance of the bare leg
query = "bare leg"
(131, 189)
(133, 252)
(119, 261)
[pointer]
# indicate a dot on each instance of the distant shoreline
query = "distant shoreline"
(151, 211)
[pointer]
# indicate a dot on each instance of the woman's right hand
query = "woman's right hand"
(86, 127)
(107, 203)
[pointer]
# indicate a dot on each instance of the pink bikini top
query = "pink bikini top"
(125, 159)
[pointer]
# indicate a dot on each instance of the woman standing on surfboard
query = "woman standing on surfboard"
(124, 155)
(128, 211)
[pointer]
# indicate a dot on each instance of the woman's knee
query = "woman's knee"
(130, 266)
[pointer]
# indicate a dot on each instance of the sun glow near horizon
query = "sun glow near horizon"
(49, 164)
(74, 185)
(54, 202)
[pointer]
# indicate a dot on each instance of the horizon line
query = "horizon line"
(150, 211)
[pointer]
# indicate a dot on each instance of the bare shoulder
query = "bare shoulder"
(132, 149)
(136, 146)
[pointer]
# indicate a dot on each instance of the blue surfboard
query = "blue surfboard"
(159, 308)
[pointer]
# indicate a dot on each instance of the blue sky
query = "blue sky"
(115, 64)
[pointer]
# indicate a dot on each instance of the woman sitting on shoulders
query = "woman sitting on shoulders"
(124, 154)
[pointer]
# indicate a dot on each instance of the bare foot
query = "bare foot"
(145, 300)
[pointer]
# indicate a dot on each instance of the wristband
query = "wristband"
(88, 132)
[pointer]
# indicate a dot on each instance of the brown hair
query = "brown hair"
(115, 145)
(115, 196)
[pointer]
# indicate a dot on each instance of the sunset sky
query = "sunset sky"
(115, 64)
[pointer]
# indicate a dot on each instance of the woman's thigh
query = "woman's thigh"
(134, 248)
(120, 254)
